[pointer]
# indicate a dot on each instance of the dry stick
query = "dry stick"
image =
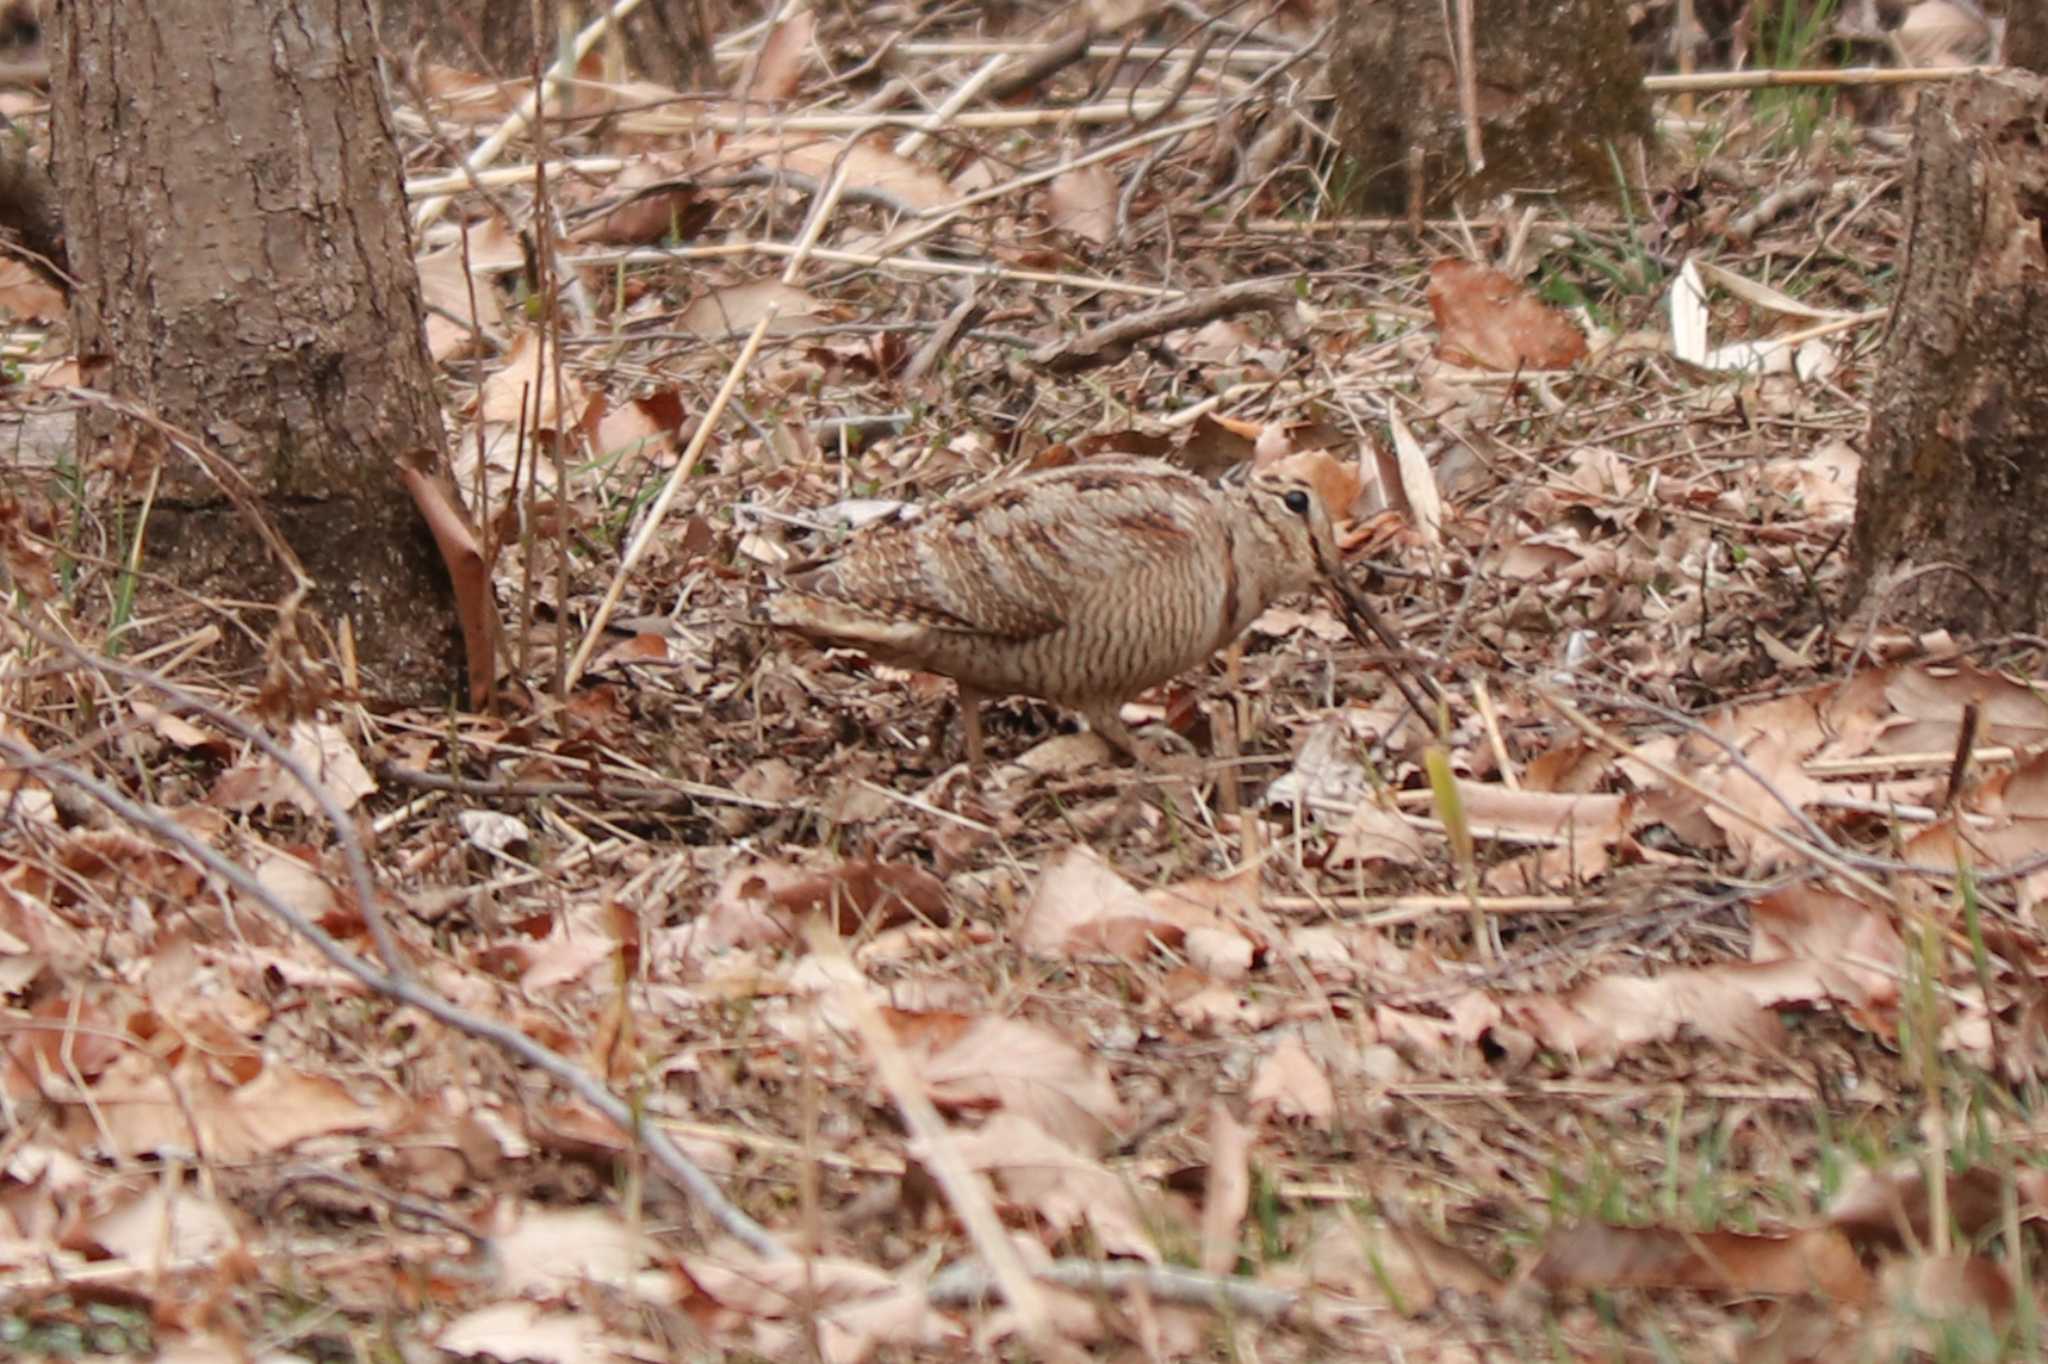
(1468, 87)
(1817, 850)
(936, 1150)
(1136, 52)
(405, 990)
(184, 701)
(705, 426)
(940, 343)
(1357, 607)
(436, 187)
(1112, 341)
(908, 144)
(822, 206)
(1030, 66)
(1852, 75)
(487, 151)
(937, 219)
(967, 1284)
(871, 260)
(1004, 120)
(1687, 23)
(671, 797)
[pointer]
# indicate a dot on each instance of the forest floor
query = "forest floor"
(1671, 990)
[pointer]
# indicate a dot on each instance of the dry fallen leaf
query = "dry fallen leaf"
(1083, 201)
(1491, 321)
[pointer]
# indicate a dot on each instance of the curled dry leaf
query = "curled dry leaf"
(1387, 1260)
(460, 312)
(164, 1227)
(323, 749)
(653, 200)
(867, 165)
(1083, 908)
(778, 71)
(1889, 1210)
(145, 1111)
(1373, 837)
(1228, 1189)
(552, 1251)
(1733, 1004)
(528, 1331)
(863, 897)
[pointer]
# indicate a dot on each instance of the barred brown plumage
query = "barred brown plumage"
(1082, 585)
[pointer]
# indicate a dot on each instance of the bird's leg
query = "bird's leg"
(1105, 721)
(970, 718)
(1174, 755)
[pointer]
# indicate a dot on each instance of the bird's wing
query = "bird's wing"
(919, 576)
(1010, 561)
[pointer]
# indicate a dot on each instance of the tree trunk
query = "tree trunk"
(1953, 478)
(1555, 82)
(2026, 36)
(236, 222)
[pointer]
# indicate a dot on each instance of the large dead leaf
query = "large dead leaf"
(1591, 1255)
(143, 1111)
(738, 308)
(865, 164)
(1001, 1063)
(532, 381)
(1491, 321)
(1083, 201)
(1058, 1184)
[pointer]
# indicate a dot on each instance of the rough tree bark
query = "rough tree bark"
(236, 221)
(1952, 507)
(2026, 35)
(1556, 86)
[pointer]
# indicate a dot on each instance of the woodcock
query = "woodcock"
(1082, 585)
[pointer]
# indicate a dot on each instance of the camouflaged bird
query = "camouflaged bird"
(1083, 585)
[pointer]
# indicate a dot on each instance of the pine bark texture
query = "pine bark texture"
(1559, 92)
(1952, 507)
(236, 221)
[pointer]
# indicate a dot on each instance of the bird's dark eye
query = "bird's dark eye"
(1297, 501)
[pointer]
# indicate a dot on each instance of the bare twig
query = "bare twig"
(648, 527)
(666, 1155)
(1030, 67)
(1112, 341)
(936, 1150)
(968, 1284)
(501, 137)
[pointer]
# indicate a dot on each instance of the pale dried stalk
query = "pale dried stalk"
(1851, 75)
(705, 426)
(488, 150)
(936, 1151)
(908, 144)
(1110, 111)
(908, 264)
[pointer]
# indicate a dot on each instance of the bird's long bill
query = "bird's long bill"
(1369, 628)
